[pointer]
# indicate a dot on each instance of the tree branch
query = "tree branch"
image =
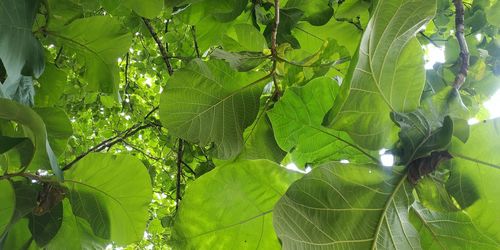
(163, 51)
(108, 143)
(180, 153)
(196, 48)
(274, 44)
(464, 50)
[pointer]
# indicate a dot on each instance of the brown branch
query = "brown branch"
(196, 48)
(464, 50)
(180, 153)
(110, 142)
(274, 44)
(163, 50)
(127, 62)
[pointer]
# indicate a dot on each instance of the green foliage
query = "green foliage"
(224, 104)
(179, 124)
(250, 189)
(387, 74)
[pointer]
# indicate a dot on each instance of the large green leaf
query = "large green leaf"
(210, 102)
(297, 119)
(20, 52)
(475, 174)
(77, 230)
(44, 157)
(346, 206)
(387, 73)
(7, 204)
(102, 192)
(363, 207)
(231, 207)
(97, 48)
(440, 231)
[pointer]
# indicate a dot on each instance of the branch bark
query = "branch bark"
(464, 49)
(163, 50)
(274, 45)
(180, 153)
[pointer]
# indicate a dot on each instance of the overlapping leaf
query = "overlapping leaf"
(102, 192)
(475, 174)
(97, 48)
(210, 102)
(366, 207)
(20, 52)
(387, 73)
(297, 119)
(231, 207)
(8, 198)
(44, 157)
(346, 206)
(418, 137)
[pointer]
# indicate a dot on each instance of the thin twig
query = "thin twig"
(59, 52)
(428, 39)
(127, 62)
(464, 50)
(196, 48)
(141, 151)
(162, 49)
(274, 44)
(180, 152)
(188, 167)
(108, 143)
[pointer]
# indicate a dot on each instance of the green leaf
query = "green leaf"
(59, 128)
(45, 227)
(44, 157)
(297, 119)
(7, 143)
(241, 61)
(102, 192)
(288, 21)
(419, 137)
(315, 12)
(147, 9)
(260, 142)
(52, 84)
(453, 230)
(8, 198)
(475, 174)
(387, 74)
(20, 52)
(347, 206)
(231, 207)
(244, 37)
(77, 230)
(19, 237)
(97, 48)
(492, 14)
(210, 102)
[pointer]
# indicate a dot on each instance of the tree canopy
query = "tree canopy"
(261, 124)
